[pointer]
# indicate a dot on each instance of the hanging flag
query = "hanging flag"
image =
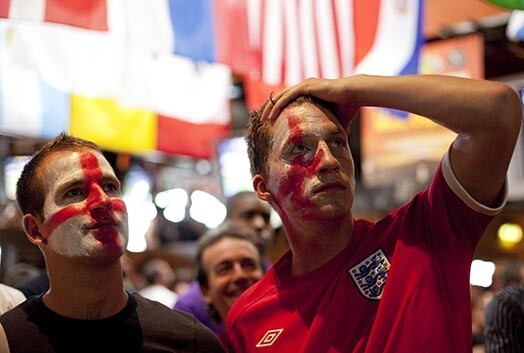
(113, 126)
(88, 14)
(193, 29)
(148, 26)
(191, 100)
(125, 83)
(237, 35)
(68, 59)
(293, 40)
(121, 52)
(28, 105)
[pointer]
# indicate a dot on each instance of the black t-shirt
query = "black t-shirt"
(142, 326)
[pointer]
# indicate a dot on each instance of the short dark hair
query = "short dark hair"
(259, 136)
(225, 230)
(29, 188)
(231, 202)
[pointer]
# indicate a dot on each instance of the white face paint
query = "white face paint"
(84, 212)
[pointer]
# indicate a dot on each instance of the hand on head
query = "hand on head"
(332, 91)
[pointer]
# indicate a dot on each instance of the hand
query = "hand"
(335, 91)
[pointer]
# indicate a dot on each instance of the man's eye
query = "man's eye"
(223, 269)
(110, 188)
(337, 143)
(249, 264)
(74, 192)
(300, 148)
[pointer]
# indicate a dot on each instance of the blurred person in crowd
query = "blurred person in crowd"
(74, 212)
(228, 262)
(504, 321)
(279, 246)
(20, 272)
(508, 272)
(9, 298)
(243, 208)
(397, 285)
(480, 298)
(133, 279)
(34, 285)
(161, 278)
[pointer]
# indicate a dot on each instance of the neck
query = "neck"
(314, 243)
(85, 290)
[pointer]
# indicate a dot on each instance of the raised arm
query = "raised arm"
(486, 116)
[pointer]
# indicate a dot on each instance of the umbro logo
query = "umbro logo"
(269, 337)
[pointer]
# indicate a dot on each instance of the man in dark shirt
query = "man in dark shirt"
(74, 212)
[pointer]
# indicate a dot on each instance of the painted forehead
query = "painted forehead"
(305, 114)
(70, 165)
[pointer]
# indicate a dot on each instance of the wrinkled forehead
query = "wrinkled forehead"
(294, 118)
(227, 249)
(63, 166)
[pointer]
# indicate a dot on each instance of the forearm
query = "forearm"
(462, 105)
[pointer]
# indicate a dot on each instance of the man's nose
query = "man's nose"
(99, 202)
(258, 222)
(239, 273)
(324, 159)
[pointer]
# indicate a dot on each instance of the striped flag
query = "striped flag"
(164, 66)
(28, 105)
(117, 84)
(89, 14)
(291, 40)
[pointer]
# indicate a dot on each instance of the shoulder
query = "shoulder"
(9, 298)
(162, 324)
(32, 305)
(156, 315)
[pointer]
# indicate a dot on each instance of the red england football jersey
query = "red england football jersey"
(401, 285)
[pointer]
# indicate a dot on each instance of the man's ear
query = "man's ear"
(32, 227)
(261, 188)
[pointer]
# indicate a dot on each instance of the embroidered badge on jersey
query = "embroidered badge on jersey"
(370, 275)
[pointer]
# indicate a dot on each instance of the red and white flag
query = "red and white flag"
(88, 14)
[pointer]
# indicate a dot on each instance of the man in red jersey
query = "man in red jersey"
(400, 284)
(74, 212)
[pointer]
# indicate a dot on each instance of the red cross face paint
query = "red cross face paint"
(84, 211)
(310, 165)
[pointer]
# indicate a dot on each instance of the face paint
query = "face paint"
(92, 224)
(294, 182)
(311, 165)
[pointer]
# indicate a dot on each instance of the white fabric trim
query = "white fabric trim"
(459, 190)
